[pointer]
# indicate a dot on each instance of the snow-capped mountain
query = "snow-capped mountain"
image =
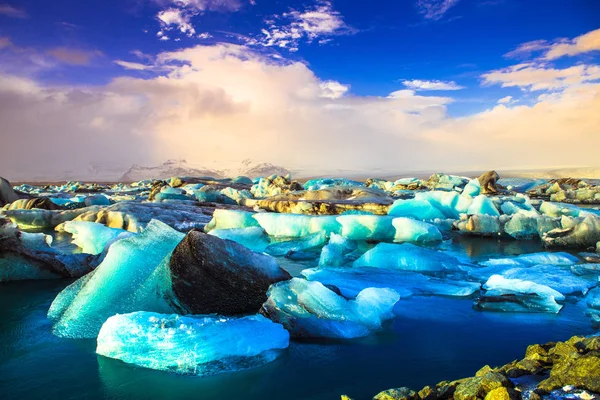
(167, 170)
(254, 170)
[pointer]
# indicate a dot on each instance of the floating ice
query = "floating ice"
(592, 299)
(289, 247)
(559, 209)
(407, 257)
(410, 230)
(546, 258)
(333, 254)
(253, 237)
(195, 345)
(413, 208)
(351, 281)
(296, 225)
(473, 188)
(229, 219)
(522, 226)
(134, 276)
(309, 309)
(451, 204)
(235, 196)
(483, 205)
(558, 278)
(318, 184)
(367, 227)
(92, 237)
(516, 295)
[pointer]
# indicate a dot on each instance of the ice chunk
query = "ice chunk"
(318, 184)
(236, 196)
(410, 230)
(522, 226)
(97, 200)
(367, 227)
(295, 225)
(451, 204)
(253, 237)
(559, 209)
(230, 219)
(333, 254)
(309, 309)
(473, 188)
(581, 233)
(483, 205)
(289, 247)
(195, 345)
(558, 278)
(414, 208)
(92, 237)
(516, 295)
(350, 281)
(546, 258)
(407, 257)
(134, 276)
(592, 299)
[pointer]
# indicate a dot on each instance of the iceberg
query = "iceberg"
(93, 237)
(516, 295)
(318, 184)
(134, 276)
(351, 281)
(367, 227)
(407, 257)
(484, 206)
(288, 248)
(334, 253)
(522, 226)
(309, 309)
(253, 237)
(451, 204)
(410, 230)
(558, 278)
(230, 219)
(194, 345)
(417, 209)
(559, 209)
(546, 258)
(296, 225)
(473, 188)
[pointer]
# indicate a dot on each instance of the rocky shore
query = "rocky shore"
(556, 370)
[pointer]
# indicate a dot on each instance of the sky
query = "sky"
(323, 86)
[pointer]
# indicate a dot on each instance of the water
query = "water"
(432, 339)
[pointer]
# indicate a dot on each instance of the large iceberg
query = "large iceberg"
(516, 295)
(309, 309)
(558, 278)
(483, 205)
(253, 237)
(367, 227)
(415, 208)
(134, 276)
(407, 257)
(335, 252)
(290, 247)
(195, 345)
(451, 204)
(546, 258)
(296, 225)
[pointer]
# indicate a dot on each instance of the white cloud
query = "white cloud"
(133, 65)
(204, 5)
(434, 9)
(536, 77)
(226, 102)
(205, 35)
(506, 100)
(333, 89)
(579, 45)
(417, 84)
(558, 48)
(317, 22)
(176, 18)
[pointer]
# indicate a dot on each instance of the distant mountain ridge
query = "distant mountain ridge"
(172, 168)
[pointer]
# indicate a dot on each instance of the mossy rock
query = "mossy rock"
(524, 367)
(582, 372)
(503, 393)
(484, 370)
(428, 393)
(402, 393)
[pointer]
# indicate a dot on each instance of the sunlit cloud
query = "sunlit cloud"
(74, 56)
(434, 9)
(12, 12)
(552, 50)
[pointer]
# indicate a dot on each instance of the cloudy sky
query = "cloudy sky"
(388, 85)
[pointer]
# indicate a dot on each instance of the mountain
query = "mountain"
(167, 170)
(252, 170)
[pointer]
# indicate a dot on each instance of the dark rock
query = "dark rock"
(7, 194)
(212, 275)
(428, 393)
(488, 182)
(156, 188)
(42, 203)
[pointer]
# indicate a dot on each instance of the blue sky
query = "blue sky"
(440, 49)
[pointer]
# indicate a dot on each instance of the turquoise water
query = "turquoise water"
(432, 339)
